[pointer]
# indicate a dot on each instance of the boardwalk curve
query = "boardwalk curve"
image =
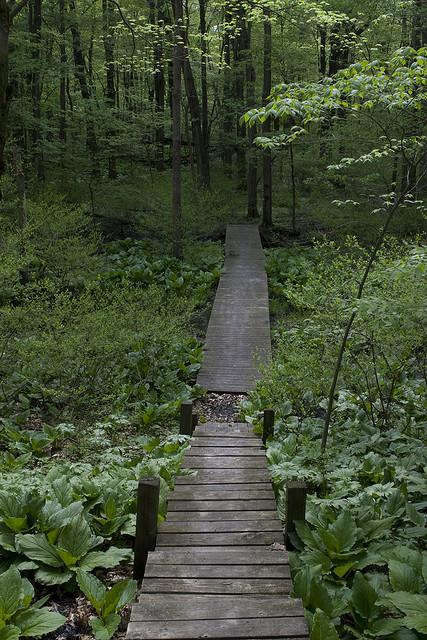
(219, 569)
(238, 335)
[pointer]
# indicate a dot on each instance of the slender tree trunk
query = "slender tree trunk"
(227, 124)
(322, 51)
(159, 87)
(63, 76)
(85, 90)
(110, 92)
(204, 75)
(267, 172)
(252, 173)
(240, 51)
(202, 157)
(5, 88)
(35, 25)
(18, 167)
(178, 54)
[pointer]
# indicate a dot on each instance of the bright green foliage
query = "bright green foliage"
(18, 617)
(107, 604)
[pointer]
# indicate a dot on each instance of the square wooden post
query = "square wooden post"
(186, 421)
(296, 496)
(267, 425)
(147, 510)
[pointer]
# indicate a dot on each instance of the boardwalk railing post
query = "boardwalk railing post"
(267, 425)
(186, 421)
(147, 509)
(194, 421)
(296, 495)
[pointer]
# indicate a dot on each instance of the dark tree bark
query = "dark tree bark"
(159, 87)
(110, 91)
(322, 51)
(85, 89)
(178, 55)
(240, 51)
(267, 169)
(7, 14)
(227, 123)
(35, 25)
(63, 75)
(204, 75)
(252, 174)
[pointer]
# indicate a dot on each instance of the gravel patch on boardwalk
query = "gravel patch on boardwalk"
(219, 407)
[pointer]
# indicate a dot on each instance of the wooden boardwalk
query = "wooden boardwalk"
(219, 569)
(238, 335)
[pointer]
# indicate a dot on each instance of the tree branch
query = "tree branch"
(16, 7)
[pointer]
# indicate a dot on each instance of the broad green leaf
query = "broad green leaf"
(319, 596)
(414, 606)
(92, 588)
(322, 628)
(364, 596)
(11, 592)
(36, 622)
(404, 578)
(344, 531)
(76, 538)
(37, 548)
(118, 596)
(105, 559)
(105, 629)
(53, 575)
(10, 632)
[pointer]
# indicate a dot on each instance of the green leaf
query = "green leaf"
(105, 629)
(92, 588)
(364, 596)
(403, 577)
(10, 632)
(11, 592)
(36, 547)
(105, 559)
(76, 538)
(344, 531)
(414, 606)
(51, 575)
(36, 622)
(119, 596)
(322, 628)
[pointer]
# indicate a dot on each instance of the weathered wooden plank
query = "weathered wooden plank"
(247, 628)
(225, 428)
(194, 516)
(213, 607)
(221, 441)
(219, 476)
(222, 505)
(217, 571)
(186, 492)
(259, 486)
(224, 462)
(218, 539)
(217, 585)
(219, 555)
(273, 524)
(240, 309)
(256, 452)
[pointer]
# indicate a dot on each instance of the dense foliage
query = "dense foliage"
(360, 565)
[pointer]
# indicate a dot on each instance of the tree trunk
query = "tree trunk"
(85, 90)
(35, 25)
(227, 124)
(62, 78)
(240, 52)
(159, 88)
(267, 210)
(178, 54)
(204, 75)
(110, 92)
(18, 167)
(252, 173)
(5, 88)
(202, 156)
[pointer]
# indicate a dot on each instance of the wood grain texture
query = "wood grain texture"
(238, 335)
(195, 516)
(219, 539)
(217, 585)
(219, 555)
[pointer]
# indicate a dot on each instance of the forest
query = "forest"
(131, 134)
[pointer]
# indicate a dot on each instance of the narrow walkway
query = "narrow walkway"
(219, 570)
(238, 335)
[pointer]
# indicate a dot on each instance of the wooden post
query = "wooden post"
(186, 423)
(296, 494)
(268, 425)
(147, 509)
(195, 421)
